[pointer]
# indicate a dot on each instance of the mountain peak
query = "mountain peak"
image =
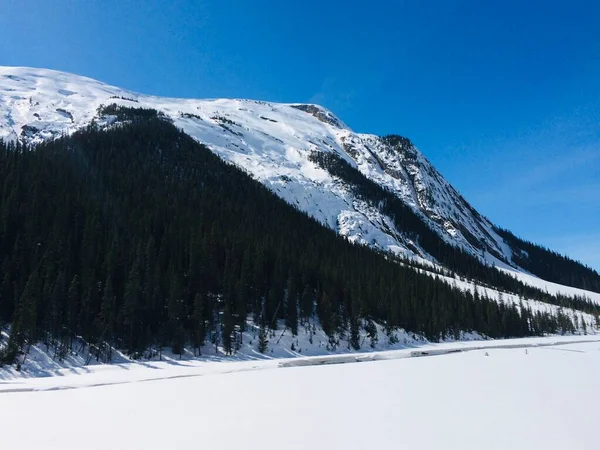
(273, 142)
(321, 113)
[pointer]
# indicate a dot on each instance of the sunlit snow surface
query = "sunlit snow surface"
(552, 288)
(538, 397)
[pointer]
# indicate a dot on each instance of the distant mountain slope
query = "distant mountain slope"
(550, 265)
(273, 142)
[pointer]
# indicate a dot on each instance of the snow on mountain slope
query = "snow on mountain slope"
(272, 142)
(551, 288)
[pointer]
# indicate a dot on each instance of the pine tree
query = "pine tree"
(355, 333)
(291, 306)
(130, 317)
(227, 327)
(306, 302)
(23, 331)
(198, 320)
(28, 305)
(58, 301)
(107, 315)
(371, 330)
(16, 339)
(73, 296)
(176, 314)
(263, 342)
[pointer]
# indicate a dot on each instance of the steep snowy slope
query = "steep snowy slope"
(273, 142)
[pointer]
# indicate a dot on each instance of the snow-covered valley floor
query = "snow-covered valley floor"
(543, 393)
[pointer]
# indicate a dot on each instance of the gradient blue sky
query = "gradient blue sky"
(503, 97)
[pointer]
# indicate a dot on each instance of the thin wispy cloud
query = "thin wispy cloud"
(331, 94)
(554, 181)
(549, 171)
(583, 194)
(548, 188)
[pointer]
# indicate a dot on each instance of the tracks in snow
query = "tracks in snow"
(96, 379)
(403, 354)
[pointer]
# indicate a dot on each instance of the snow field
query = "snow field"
(535, 398)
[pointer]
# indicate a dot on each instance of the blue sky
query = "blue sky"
(503, 97)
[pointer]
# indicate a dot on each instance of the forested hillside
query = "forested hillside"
(450, 256)
(550, 265)
(388, 196)
(139, 236)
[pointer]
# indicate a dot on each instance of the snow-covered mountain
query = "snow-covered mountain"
(273, 142)
(311, 159)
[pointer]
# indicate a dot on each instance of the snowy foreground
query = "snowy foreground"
(540, 393)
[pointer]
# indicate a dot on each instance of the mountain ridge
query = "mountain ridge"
(273, 143)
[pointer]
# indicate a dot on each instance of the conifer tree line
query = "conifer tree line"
(454, 258)
(550, 265)
(138, 237)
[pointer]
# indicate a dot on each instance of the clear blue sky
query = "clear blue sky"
(503, 97)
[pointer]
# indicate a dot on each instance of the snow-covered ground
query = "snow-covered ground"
(544, 396)
(311, 340)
